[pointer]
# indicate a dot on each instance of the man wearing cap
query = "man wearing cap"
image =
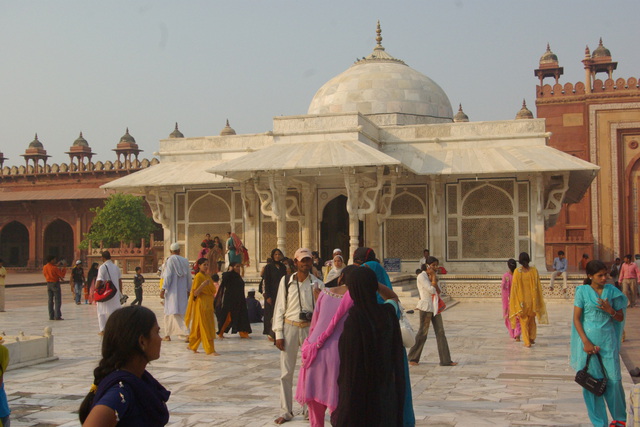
(77, 276)
(291, 319)
(176, 282)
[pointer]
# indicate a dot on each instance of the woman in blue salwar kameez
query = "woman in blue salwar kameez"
(598, 321)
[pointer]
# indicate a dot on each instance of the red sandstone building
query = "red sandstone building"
(598, 121)
(45, 209)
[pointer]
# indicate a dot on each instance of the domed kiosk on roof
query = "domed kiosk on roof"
(385, 89)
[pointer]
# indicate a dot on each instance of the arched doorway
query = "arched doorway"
(334, 228)
(14, 245)
(58, 241)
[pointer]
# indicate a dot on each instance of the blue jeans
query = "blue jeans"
(5, 421)
(78, 291)
(53, 293)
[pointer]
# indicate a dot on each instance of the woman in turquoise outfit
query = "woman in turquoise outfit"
(598, 321)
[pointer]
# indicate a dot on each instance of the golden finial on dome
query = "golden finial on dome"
(379, 34)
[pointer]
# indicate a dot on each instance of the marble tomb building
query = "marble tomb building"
(379, 159)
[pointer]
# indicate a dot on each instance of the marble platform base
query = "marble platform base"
(28, 350)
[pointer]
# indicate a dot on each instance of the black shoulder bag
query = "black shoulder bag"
(595, 386)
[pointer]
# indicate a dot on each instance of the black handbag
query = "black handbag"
(595, 386)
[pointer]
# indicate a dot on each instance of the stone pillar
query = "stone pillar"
(353, 191)
(537, 223)
(437, 219)
(34, 243)
(250, 219)
(309, 200)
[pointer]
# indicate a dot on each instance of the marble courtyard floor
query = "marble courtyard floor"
(498, 382)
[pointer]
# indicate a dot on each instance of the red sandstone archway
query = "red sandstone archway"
(14, 245)
(58, 241)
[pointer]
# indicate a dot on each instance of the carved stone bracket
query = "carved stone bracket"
(266, 200)
(387, 193)
(558, 187)
(362, 197)
(248, 196)
(161, 204)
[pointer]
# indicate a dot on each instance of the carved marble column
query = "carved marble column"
(537, 223)
(436, 240)
(251, 226)
(309, 223)
(353, 193)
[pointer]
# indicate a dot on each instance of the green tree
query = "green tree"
(122, 219)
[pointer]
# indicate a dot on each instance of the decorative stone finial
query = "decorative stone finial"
(176, 133)
(524, 112)
(379, 34)
(228, 130)
(460, 116)
(587, 52)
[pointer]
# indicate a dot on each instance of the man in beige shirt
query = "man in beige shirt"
(291, 320)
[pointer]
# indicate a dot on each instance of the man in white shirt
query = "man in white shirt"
(560, 269)
(176, 284)
(108, 271)
(291, 320)
(424, 259)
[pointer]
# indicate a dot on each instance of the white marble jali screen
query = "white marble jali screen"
(406, 229)
(487, 219)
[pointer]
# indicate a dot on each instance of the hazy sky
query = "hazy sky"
(99, 67)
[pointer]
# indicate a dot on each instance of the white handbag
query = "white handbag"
(408, 334)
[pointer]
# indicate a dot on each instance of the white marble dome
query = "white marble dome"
(382, 84)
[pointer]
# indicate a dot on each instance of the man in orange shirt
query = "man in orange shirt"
(53, 275)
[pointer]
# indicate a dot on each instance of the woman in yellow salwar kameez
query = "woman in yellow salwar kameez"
(199, 315)
(526, 302)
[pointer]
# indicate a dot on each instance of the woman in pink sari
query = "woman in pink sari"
(507, 279)
(318, 378)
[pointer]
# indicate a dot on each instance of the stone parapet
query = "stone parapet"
(606, 88)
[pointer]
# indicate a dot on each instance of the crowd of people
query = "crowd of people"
(341, 321)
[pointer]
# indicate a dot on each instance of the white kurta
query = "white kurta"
(176, 283)
(106, 308)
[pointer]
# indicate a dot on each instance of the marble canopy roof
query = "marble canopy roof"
(485, 158)
(167, 174)
(304, 158)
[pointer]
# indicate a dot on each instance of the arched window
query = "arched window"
(200, 212)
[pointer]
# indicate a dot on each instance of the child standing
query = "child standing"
(138, 280)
